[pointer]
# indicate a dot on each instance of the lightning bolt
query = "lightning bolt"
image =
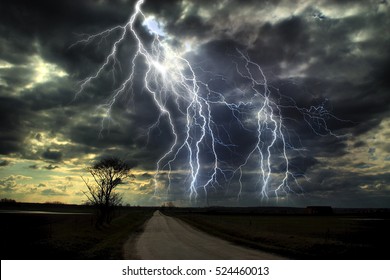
(188, 104)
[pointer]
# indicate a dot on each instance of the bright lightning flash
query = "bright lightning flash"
(180, 94)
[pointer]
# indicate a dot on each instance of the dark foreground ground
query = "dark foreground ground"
(346, 234)
(67, 236)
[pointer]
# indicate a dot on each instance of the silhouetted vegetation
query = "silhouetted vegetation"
(54, 202)
(107, 173)
(7, 201)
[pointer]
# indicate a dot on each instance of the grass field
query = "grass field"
(297, 236)
(67, 236)
(301, 236)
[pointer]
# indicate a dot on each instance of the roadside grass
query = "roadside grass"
(72, 236)
(300, 236)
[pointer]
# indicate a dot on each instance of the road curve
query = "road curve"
(167, 238)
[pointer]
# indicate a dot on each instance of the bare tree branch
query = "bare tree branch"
(107, 173)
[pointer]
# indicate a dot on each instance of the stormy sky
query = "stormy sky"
(328, 58)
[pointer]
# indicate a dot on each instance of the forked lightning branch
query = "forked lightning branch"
(189, 105)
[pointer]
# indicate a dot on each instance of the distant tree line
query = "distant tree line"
(7, 201)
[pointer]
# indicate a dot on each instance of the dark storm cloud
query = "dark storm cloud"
(52, 192)
(34, 166)
(299, 165)
(4, 163)
(344, 189)
(108, 154)
(51, 167)
(146, 176)
(288, 40)
(292, 40)
(295, 40)
(14, 115)
(46, 29)
(89, 135)
(171, 12)
(52, 155)
(53, 25)
(365, 104)
(317, 56)
(48, 96)
(354, 89)
(16, 77)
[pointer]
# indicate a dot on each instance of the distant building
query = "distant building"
(319, 210)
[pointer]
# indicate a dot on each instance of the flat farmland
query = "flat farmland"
(40, 235)
(300, 236)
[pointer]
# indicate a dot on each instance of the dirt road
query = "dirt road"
(167, 238)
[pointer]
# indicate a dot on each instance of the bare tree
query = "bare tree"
(107, 173)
